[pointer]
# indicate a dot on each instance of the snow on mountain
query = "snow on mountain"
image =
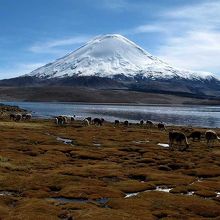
(112, 55)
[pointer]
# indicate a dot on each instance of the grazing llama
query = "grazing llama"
(211, 137)
(180, 139)
(195, 135)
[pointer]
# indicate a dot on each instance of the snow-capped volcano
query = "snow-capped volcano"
(110, 56)
(111, 66)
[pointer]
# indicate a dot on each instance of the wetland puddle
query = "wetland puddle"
(63, 200)
(64, 140)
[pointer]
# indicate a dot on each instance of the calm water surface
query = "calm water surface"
(202, 116)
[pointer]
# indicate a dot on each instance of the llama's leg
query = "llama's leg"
(212, 143)
(186, 145)
(182, 145)
(171, 145)
(207, 142)
(178, 145)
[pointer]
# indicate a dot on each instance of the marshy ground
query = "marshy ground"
(76, 172)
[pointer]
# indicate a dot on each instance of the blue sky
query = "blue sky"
(184, 33)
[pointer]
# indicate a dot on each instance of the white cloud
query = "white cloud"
(206, 12)
(19, 69)
(147, 28)
(190, 35)
(54, 46)
(193, 37)
(195, 50)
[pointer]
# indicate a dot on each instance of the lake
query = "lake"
(201, 116)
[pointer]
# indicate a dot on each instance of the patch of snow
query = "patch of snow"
(191, 193)
(163, 189)
(163, 145)
(158, 188)
(128, 195)
(5, 193)
(65, 141)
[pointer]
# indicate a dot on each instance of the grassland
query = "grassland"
(95, 175)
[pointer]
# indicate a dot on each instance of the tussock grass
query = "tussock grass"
(35, 165)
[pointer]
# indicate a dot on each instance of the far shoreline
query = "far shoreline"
(173, 115)
(113, 103)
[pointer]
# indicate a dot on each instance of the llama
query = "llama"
(149, 124)
(98, 121)
(89, 119)
(126, 123)
(210, 137)
(18, 117)
(86, 122)
(12, 116)
(27, 116)
(161, 126)
(178, 137)
(195, 135)
(60, 120)
(117, 122)
(72, 118)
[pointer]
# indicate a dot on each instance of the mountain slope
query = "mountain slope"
(111, 64)
(112, 56)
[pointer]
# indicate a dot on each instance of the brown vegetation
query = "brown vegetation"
(43, 178)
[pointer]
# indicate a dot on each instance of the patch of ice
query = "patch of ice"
(101, 201)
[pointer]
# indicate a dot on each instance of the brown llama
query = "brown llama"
(149, 124)
(117, 122)
(98, 121)
(180, 139)
(195, 135)
(161, 126)
(211, 137)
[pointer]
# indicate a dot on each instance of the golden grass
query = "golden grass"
(103, 162)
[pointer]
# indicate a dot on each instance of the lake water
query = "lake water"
(202, 116)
